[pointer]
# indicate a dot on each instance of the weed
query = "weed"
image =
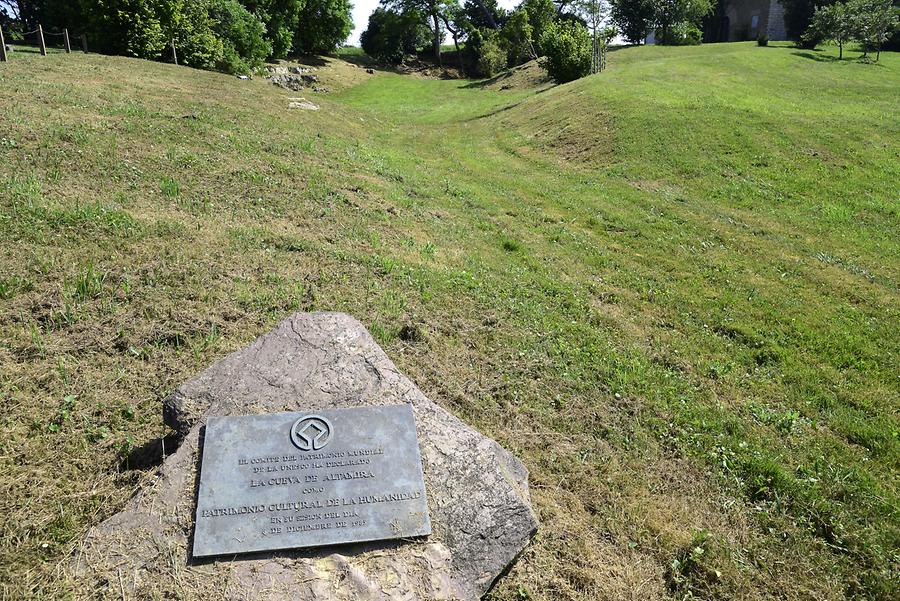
(87, 284)
(169, 188)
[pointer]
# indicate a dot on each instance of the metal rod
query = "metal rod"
(66, 41)
(41, 41)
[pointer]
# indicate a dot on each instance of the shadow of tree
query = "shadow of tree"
(827, 58)
(822, 58)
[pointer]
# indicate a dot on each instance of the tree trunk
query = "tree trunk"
(437, 38)
(840, 50)
(459, 56)
(487, 14)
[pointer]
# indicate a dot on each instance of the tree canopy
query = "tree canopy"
(235, 36)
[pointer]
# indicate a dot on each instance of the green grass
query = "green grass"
(671, 289)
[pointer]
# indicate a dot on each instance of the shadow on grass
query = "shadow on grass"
(821, 58)
(483, 83)
(827, 58)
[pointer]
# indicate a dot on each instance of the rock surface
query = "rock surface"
(477, 492)
(302, 103)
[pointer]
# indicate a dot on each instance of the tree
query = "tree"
(516, 39)
(798, 15)
(873, 22)
(323, 25)
(484, 14)
(540, 14)
(391, 35)
(832, 23)
(567, 51)
(243, 36)
(436, 14)
(635, 18)
(456, 22)
(676, 19)
(281, 18)
(594, 13)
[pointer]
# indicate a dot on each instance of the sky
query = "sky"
(363, 8)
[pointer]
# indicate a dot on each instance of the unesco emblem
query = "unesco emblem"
(311, 433)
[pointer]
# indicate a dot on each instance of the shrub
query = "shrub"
(567, 49)
(280, 18)
(516, 39)
(762, 40)
(243, 36)
(492, 57)
(680, 34)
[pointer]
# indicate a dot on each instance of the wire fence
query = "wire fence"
(40, 37)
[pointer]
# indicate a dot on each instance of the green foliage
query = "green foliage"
(869, 22)
(798, 15)
(323, 26)
(682, 34)
(677, 21)
(567, 51)
(242, 35)
(234, 36)
(635, 18)
(516, 39)
(762, 40)
(873, 22)
(391, 35)
(540, 14)
(484, 14)
(831, 23)
(492, 56)
(280, 18)
(139, 28)
(198, 45)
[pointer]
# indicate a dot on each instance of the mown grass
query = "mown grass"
(670, 289)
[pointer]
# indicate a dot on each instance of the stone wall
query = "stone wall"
(775, 29)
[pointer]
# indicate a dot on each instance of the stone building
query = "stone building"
(738, 20)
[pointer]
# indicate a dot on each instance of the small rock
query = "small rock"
(302, 103)
(243, 77)
(370, 71)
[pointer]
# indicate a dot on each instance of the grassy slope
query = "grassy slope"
(671, 290)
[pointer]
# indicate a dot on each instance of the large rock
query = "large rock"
(477, 491)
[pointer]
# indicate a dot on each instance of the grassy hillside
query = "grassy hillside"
(671, 290)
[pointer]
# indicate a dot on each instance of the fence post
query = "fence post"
(84, 42)
(66, 40)
(2, 47)
(174, 54)
(41, 41)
